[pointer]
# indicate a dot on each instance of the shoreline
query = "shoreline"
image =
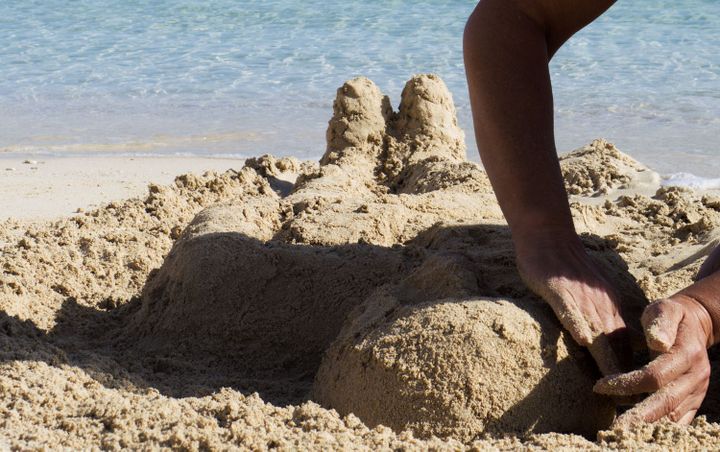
(50, 188)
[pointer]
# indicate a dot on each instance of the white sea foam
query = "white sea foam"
(691, 181)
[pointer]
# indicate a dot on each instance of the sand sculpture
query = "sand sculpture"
(461, 369)
(234, 282)
(379, 283)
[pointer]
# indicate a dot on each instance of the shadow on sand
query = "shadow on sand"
(227, 310)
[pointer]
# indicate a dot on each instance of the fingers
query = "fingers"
(621, 341)
(687, 356)
(604, 355)
(676, 401)
(678, 378)
(687, 418)
(660, 320)
(650, 378)
(587, 326)
(583, 327)
(571, 317)
(587, 307)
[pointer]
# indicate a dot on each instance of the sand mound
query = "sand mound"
(268, 309)
(259, 310)
(238, 291)
(197, 317)
(462, 369)
(600, 168)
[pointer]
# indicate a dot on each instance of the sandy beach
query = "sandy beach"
(45, 188)
(368, 301)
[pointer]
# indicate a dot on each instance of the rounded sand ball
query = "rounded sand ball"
(462, 369)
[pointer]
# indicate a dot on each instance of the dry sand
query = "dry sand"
(48, 188)
(242, 309)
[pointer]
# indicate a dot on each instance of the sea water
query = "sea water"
(240, 78)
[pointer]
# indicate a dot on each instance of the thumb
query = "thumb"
(660, 321)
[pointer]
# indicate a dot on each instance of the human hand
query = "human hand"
(559, 270)
(680, 329)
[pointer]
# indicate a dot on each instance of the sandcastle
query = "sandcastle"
(370, 301)
(393, 208)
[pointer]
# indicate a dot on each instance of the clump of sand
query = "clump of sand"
(461, 369)
(198, 317)
(600, 168)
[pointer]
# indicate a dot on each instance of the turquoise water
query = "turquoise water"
(248, 77)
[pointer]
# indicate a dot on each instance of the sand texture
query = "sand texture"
(50, 188)
(367, 302)
(441, 368)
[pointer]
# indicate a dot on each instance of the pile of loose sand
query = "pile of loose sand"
(238, 309)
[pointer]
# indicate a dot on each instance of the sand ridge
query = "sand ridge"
(198, 317)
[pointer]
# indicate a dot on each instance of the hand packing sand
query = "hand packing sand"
(508, 48)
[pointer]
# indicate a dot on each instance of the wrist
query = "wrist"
(531, 239)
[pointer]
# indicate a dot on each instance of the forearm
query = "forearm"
(507, 49)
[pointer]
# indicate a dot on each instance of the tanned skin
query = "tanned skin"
(508, 45)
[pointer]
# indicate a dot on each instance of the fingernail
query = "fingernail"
(659, 344)
(657, 338)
